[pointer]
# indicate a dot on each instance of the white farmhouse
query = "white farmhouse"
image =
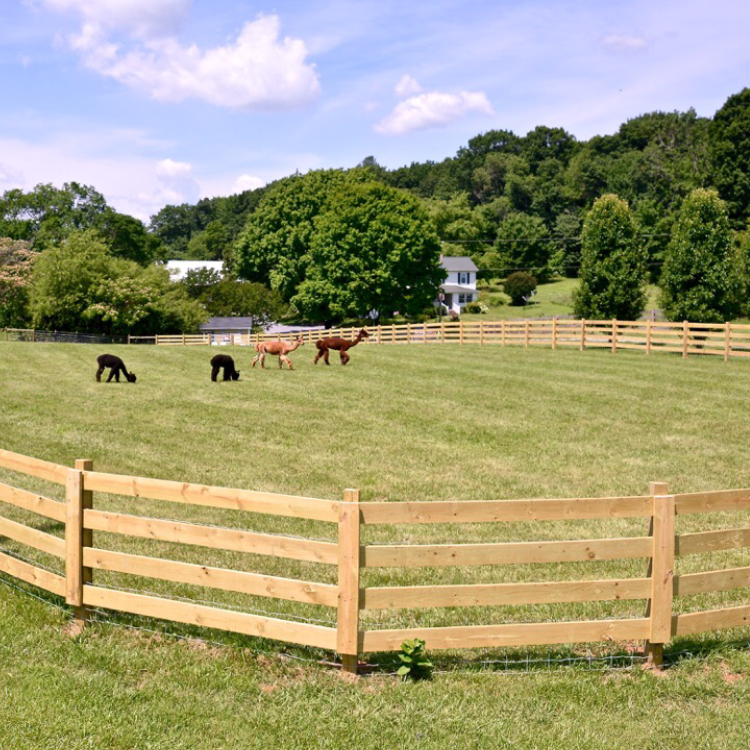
(178, 268)
(460, 287)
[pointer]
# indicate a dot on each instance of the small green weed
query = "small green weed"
(414, 661)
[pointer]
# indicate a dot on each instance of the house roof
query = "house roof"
(457, 288)
(228, 324)
(179, 268)
(458, 263)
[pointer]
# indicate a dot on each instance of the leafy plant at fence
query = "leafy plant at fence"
(414, 661)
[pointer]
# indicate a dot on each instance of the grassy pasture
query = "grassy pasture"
(400, 423)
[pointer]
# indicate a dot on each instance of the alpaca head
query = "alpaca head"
(236, 375)
(363, 334)
(131, 377)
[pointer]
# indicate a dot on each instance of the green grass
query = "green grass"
(551, 299)
(400, 423)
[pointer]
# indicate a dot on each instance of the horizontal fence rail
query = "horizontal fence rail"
(351, 555)
(725, 340)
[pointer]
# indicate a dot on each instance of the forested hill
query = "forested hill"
(502, 187)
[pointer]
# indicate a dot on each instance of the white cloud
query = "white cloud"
(176, 183)
(144, 19)
(9, 176)
(407, 86)
(135, 42)
(247, 182)
(432, 110)
(624, 43)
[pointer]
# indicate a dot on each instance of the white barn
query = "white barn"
(460, 287)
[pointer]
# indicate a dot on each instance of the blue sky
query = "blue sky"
(166, 101)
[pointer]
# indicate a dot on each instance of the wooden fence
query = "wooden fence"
(660, 545)
(721, 339)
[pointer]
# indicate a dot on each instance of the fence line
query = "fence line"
(719, 339)
(349, 597)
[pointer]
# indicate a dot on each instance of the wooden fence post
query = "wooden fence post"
(128, 339)
(461, 333)
(554, 333)
(727, 340)
(614, 336)
(74, 576)
(156, 339)
(33, 335)
(481, 333)
(648, 336)
(661, 572)
(583, 334)
(526, 334)
(684, 339)
(347, 629)
(502, 333)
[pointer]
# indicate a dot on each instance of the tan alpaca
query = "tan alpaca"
(278, 348)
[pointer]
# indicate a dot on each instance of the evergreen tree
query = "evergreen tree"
(702, 277)
(613, 264)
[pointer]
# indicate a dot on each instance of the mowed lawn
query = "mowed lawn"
(399, 423)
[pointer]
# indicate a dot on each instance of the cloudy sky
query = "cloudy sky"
(167, 101)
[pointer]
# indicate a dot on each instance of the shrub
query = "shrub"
(519, 286)
(475, 308)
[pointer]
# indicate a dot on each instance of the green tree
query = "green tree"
(374, 248)
(729, 135)
(80, 286)
(16, 263)
(523, 244)
(702, 280)
(274, 245)
(613, 264)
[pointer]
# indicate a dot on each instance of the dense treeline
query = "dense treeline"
(332, 244)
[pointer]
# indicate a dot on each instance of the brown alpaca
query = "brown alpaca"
(278, 348)
(338, 344)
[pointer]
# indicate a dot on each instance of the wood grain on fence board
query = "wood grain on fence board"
(42, 506)
(514, 634)
(211, 617)
(505, 594)
(503, 553)
(490, 511)
(33, 467)
(215, 497)
(40, 540)
(217, 578)
(236, 540)
(27, 573)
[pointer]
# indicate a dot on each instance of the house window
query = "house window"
(464, 278)
(465, 298)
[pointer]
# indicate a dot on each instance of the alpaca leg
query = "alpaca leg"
(281, 361)
(257, 357)
(112, 372)
(318, 356)
(263, 360)
(214, 372)
(344, 357)
(227, 373)
(99, 374)
(287, 360)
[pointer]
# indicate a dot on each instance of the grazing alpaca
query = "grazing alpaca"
(278, 348)
(339, 344)
(116, 366)
(226, 363)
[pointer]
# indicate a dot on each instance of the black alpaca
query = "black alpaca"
(116, 366)
(226, 363)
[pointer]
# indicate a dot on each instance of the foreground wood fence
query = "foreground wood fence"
(659, 545)
(721, 339)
